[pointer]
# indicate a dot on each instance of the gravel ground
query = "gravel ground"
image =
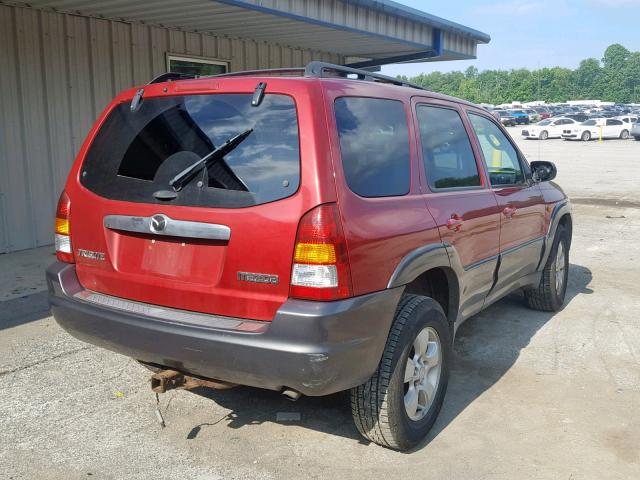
(532, 395)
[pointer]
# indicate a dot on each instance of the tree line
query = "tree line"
(614, 78)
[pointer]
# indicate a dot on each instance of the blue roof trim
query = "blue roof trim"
(395, 8)
(313, 21)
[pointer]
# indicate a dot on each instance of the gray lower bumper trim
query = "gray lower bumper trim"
(316, 348)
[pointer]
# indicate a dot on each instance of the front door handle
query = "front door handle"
(509, 211)
(455, 222)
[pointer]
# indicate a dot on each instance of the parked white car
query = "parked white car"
(594, 127)
(549, 128)
(628, 119)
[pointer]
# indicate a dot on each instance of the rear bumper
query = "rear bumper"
(316, 348)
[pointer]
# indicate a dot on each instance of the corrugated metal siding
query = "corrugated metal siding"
(58, 72)
(345, 27)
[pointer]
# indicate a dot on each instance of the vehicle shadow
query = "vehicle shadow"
(21, 310)
(486, 347)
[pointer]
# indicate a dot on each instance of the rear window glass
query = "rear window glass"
(136, 154)
(374, 145)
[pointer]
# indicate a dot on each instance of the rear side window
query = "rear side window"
(136, 154)
(446, 150)
(374, 145)
(499, 154)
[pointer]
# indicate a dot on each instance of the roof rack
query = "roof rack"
(169, 76)
(315, 69)
(324, 70)
(266, 72)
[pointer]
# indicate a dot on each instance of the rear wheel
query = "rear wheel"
(586, 136)
(544, 135)
(398, 405)
(624, 134)
(550, 293)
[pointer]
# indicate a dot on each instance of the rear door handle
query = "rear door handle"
(509, 211)
(455, 222)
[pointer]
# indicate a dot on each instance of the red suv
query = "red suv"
(306, 231)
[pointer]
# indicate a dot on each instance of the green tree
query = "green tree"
(615, 57)
(616, 78)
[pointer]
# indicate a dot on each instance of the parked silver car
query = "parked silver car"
(534, 116)
(635, 131)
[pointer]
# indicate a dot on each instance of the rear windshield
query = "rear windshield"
(136, 154)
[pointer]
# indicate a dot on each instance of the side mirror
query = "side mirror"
(543, 171)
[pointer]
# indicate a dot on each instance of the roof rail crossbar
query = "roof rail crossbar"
(266, 72)
(168, 76)
(323, 69)
(315, 69)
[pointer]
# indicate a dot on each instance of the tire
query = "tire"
(378, 406)
(637, 138)
(549, 295)
(544, 135)
(586, 136)
(624, 134)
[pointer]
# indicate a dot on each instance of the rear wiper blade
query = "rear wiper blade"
(186, 175)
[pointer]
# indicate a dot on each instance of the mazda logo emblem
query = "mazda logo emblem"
(158, 223)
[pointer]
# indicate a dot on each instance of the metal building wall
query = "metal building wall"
(352, 15)
(57, 73)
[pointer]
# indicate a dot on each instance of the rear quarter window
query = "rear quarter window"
(374, 145)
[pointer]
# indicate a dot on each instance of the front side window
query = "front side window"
(446, 150)
(137, 154)
(500, 157)
(374, 145)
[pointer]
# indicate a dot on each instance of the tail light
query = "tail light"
(320, 262)
(64, 251)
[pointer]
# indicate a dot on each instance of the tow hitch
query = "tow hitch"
(170, 379)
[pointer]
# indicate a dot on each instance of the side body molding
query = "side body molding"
(559, 210)
(419, 261)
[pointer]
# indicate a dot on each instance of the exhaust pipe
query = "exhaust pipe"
(291, 394)
(172, 379)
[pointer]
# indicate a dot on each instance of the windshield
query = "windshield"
(544, 122)
(136, 154)
(589, 122)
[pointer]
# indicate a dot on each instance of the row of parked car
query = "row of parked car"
(593, 128)
(526, 116)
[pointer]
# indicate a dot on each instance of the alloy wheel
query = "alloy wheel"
(422, 373)
(560, 266)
